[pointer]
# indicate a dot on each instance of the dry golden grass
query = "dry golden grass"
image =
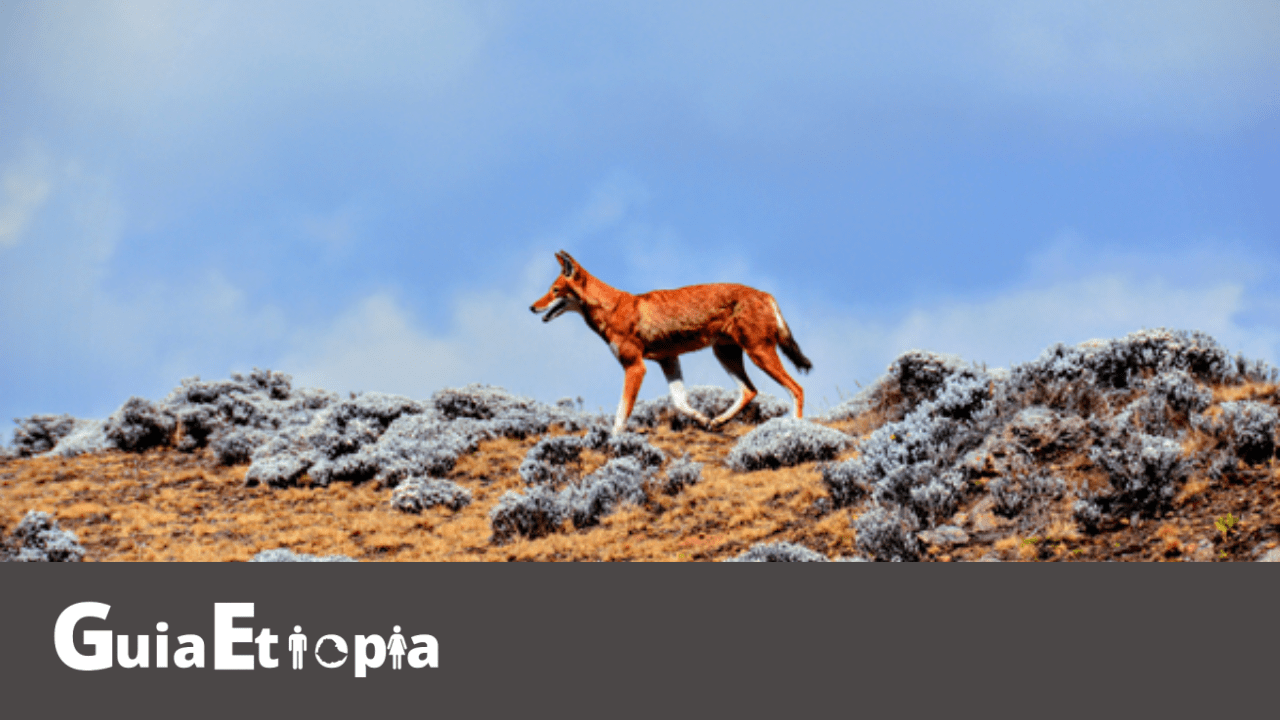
(1063, 529)
(1195, 486)
(1005, 545)
(165, 505)
(1248, 391)
(1169, 538)
(1029, 549)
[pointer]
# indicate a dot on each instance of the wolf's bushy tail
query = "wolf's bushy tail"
(789, 346)
(792, 350)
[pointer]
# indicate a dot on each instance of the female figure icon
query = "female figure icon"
(396, 647)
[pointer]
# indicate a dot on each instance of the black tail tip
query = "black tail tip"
(792, 350)
(797, 358)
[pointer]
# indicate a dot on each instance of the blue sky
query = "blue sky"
(369, 195)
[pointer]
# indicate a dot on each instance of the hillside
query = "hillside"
(1156, 446)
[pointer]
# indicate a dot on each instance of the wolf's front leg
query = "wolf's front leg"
(630, 389)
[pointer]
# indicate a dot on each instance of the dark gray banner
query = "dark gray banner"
(626, 640)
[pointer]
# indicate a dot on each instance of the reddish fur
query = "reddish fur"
(664, 324)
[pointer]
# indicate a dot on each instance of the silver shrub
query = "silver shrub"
(536, 512)
(86, 437)
(784, 442)
(417, 494)
(634, 446)
(542, 508)
(287, 555)
(1120, 363)
(1145, 472)
(37, 538)
(234, 417)
(887, 534)
(40, 433)
(936, 500)
(621, 480)
(1249, 429)
(140, 424)
(681, 473)
(546, 461)
(914, 377)
(388, 438)
(511, 415)
(1179, 391)
(781, 551)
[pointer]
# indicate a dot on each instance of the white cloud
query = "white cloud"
(224, 86)
(493, 338)
(1071, 293)
(612, 201)
(24, 187)
(1199, 63)
(460, 80)
(1016, 326)
(49, 281)
(333, 230)
(778, 71)
(1152, 41)
(62, 304)
(608, 225)
(135, 58)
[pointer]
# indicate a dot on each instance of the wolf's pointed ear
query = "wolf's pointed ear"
(569, 264)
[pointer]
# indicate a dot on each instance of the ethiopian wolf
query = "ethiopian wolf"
(662, 325)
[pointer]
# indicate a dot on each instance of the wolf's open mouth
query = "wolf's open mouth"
(556, 309)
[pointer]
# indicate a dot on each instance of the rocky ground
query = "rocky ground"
(1156, 446)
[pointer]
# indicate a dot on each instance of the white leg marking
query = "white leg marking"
(620, 420)
(733, 409)
(679, 398)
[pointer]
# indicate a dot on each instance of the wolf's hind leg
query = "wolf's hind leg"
(766, 358)
(730, 357)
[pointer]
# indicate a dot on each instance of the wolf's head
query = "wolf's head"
(566, 291)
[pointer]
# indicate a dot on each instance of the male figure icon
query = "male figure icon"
(298, 644)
